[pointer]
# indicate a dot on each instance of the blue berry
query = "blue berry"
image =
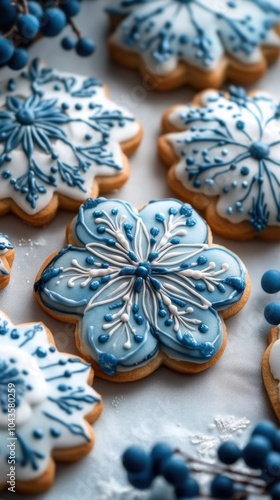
(71, 8)
(28, 26)
(160, 452)
(188, 489)
(275, 491)
(68, 42)
(222, 486)
(35, 9)
(265, 428)
(135, 459)
(142, 480)
(53, 22)
(6, 50)
(85, 47)
(271, 281)
(229, 452)
(272, 313)
(8, 16)
(276, 440)
(19, 59)
(271, 468)
(175, 470)
(256, 451)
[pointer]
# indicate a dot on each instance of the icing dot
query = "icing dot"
(245, 171)
(138, 339)
(38, 434)
(41, 353)
(55, 433)
(103, 338)
(124, 318)
(203, 328)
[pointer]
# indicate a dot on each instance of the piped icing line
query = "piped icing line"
(141, 283)
(51, 396)
(58, 132)
(229, 147)
(164, 32)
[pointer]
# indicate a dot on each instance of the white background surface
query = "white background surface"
(164, 406)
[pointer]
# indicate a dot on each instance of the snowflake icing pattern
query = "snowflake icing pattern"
(143, 281)
(52, 398)
(196, 31)
(57, 133)
(231, 149)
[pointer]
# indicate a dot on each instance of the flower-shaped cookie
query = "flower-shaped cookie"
(61, 141)
(144, 288)
(7, 254)
(226, 159)
(270, 363)
(46, 406)
(195, 41)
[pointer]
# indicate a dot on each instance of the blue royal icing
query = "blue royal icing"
(198, 32)
(49, 393)
(230, 148)
(141, 283)
(57, 133)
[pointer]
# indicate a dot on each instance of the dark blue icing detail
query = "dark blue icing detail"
(108, 363)
(148, 303)
(26, 456)
(73, 400)
(75, 429)
(9, 374)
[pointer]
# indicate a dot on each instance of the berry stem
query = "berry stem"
(74, 28)
(241, 477)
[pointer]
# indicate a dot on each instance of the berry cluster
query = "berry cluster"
(261, 454)
(271, 284)
(22, 21)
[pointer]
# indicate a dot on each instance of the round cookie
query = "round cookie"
(46, 407)
(195, 42)
(144, 288)
(7, 255)
(62, 140)
(224, 154)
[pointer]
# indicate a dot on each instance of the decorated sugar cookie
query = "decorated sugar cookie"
(270, 364)
(144, 288)
(61, 141)
(224, 154)
(7, 254)
(195, 42)
(46, 407)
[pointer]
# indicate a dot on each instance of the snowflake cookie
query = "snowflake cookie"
(195, 42)
(61, 141)
(46, 407)
(224, 153)
(270, 283)
(7, 254)
(145, 288)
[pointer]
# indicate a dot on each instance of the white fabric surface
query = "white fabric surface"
(166, 405)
